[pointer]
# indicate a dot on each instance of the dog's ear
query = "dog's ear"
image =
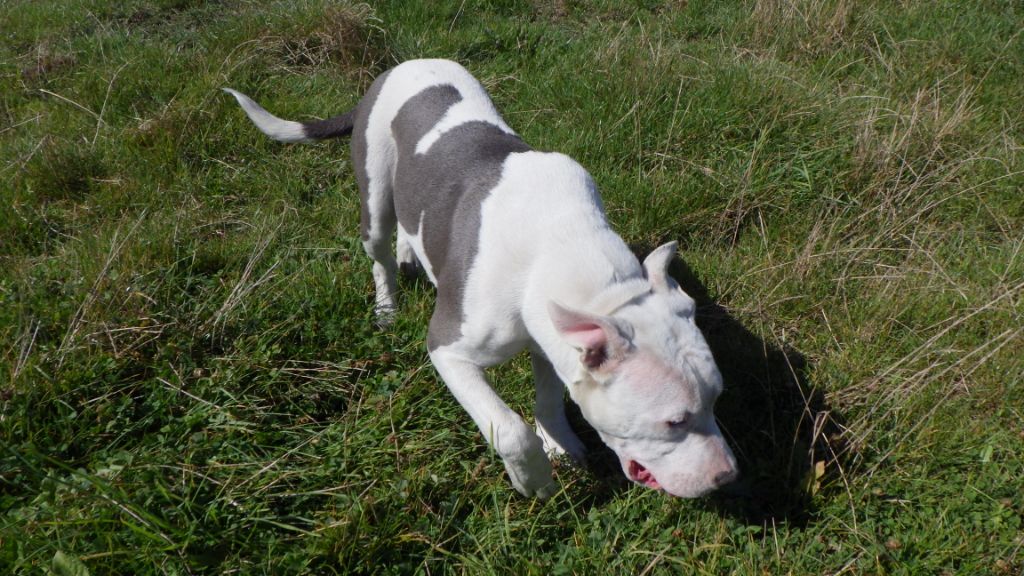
(602, 341)
(656, 267)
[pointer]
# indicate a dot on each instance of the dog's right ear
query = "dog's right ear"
(656, 266)
(602, 340)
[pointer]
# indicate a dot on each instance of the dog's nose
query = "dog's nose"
(726, 476)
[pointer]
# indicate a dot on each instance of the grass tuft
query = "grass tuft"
(345, 37)
(63, 171)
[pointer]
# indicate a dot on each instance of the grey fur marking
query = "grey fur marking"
(334, 127)
(359, 147)
(445, 188)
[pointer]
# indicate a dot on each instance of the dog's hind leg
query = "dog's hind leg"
(407, 262)
(385, 270)
(374, 158)
(378, 225)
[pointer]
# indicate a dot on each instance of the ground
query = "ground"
(191, 380)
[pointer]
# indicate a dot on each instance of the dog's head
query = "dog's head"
(647, 382)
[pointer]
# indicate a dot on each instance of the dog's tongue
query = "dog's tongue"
(642, 475)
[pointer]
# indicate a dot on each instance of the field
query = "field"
(191, 381)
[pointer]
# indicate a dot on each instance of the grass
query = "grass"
(190, 377)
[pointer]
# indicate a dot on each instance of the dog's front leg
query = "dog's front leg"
(512, 438)
(552, 424)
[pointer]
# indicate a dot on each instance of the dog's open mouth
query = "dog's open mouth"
(642, 475)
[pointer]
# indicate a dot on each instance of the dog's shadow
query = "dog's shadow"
(777, 423)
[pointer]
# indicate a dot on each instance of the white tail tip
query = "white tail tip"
(277, 128)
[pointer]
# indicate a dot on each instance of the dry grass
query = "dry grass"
(349, 38)
(804, 28)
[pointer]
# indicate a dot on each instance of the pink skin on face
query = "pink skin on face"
(642, 475)
(646, 372)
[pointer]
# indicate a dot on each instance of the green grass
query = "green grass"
(190, 377)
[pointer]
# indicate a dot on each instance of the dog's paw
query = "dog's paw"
(563, 443)
(569, 446)
(530, 473)
(547, 491)
(535, 484)
(384, 316)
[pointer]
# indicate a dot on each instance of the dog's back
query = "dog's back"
(435, 145)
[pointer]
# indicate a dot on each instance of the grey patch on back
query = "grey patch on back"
(359, 150)
(421, 113)
(445, 188)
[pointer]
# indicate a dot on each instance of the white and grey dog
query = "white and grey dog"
(517, 243)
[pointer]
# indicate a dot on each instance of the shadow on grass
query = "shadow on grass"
(777, 423)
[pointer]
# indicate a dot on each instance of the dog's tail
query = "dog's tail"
(289, 131)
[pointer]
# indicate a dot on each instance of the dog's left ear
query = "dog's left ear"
(602, 340)
(656, 267)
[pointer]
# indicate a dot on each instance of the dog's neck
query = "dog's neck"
(617, 295)
(599, 275)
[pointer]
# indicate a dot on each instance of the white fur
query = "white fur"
(548, 268)
(276, 128)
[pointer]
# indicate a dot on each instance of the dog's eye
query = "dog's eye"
(679, 423)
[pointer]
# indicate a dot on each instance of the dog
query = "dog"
(517, 244)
